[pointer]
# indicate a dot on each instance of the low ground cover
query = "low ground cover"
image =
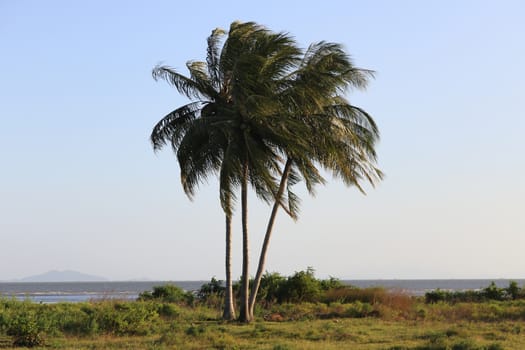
(311, 314)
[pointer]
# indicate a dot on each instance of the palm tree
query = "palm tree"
(344, 134)
(231, 128)
(259, 133)
(257, 102)
(199, 146)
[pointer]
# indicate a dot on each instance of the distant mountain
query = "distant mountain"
(63, 276)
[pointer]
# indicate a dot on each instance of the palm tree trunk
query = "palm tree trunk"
(229, 305)
(266, 242)
(244, 315)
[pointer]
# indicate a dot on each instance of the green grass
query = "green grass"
(318, 334)
(395, 323)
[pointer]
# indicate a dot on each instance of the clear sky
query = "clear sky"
(81, 188)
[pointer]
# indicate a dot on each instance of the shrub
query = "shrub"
(168, 293)
(359, 309)
(331, 283)
(435, 296)
(211, 294)
(168, 310)
(74, 319)
(128, 318)
(270, 287)
(513, 291)
(492, 292)
(25, 331)
(301, 287)
(214, 287)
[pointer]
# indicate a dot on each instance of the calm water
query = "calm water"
(53, 292)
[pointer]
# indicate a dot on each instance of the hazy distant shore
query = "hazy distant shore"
(50, 292)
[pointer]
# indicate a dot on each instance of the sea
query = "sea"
(54, 292)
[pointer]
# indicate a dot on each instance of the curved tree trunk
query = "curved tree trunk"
(244, 313)
(229, 304)
(267, 236)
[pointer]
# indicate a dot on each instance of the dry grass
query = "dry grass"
(335, 334)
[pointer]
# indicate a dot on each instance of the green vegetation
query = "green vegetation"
(492, 292)
(266, 115)
(295, 312)
(168, 293)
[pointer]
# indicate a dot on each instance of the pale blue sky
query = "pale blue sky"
(81, 189)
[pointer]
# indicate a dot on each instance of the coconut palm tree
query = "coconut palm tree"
(345, 135)
(260, 134)
(232, 128)
(199, 146)
(257, 102)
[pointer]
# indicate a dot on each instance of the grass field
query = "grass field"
(318, 334)
(335, 317)
(150, 325)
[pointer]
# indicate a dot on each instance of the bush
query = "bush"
(73, 319)
(301, 287)
(168, 293)
(513, 290)
(270, 287)
(24, 330)
(331, 283)
(168, 310)
(492, 292)
(211, 294)
(435, 296)
(214, 287)
(128, 318)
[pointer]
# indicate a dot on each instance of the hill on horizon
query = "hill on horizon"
(63, 276)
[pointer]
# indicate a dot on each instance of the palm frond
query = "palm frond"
(172, 127)
(213, 57)
(199, 153)
(199, 75)
(229, 178)
(262, 100)
(183, 84)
